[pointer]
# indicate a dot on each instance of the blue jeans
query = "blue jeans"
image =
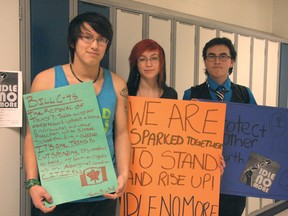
(99, 208)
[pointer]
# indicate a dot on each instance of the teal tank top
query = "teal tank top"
(107, 101)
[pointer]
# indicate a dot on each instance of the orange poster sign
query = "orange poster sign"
(174, 157)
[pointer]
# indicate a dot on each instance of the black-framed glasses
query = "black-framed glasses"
(153, 59)
(89, 39)
(221, 57)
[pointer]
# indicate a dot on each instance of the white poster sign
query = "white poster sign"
(10, 98)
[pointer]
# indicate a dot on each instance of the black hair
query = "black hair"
(98, 22)
(220, 41)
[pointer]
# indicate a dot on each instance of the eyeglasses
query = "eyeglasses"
(89, 39)
(221, 57)
(153, 60)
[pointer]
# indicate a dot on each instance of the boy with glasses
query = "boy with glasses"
(219, 56)
(89, 37)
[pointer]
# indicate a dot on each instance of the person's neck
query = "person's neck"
(84, 72)
(149, 89)
(219, 80)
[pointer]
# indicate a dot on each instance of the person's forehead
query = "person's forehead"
(150, 52)
(217, 49)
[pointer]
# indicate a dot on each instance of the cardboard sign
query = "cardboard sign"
(174, 157)
(70, 143)
(255, 150)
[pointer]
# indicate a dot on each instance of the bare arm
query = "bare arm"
(122, 138)
(43, 81)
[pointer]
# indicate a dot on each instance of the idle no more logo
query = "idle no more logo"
(8, 90)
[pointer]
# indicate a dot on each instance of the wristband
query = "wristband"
(30, 183)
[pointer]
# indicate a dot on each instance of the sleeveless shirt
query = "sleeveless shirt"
(107, 100)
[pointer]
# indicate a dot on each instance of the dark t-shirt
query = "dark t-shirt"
(169, 92)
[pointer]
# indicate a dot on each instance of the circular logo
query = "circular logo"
(278, 124)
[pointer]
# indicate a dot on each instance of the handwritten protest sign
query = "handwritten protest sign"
(174, 158)
(255, 150)
(70, 143)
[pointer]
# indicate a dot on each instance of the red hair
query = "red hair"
(139, 48)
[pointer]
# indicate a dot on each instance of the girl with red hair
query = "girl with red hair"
(147, 77)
